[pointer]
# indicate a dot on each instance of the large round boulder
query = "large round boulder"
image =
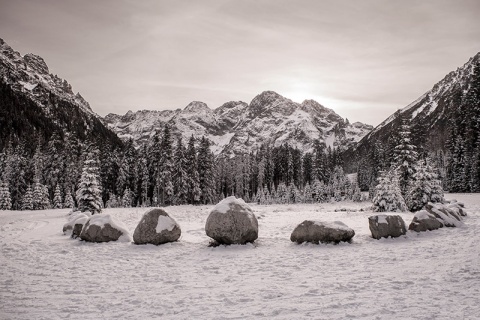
(156, 227)
(324, 232)
(232, 221)
(384, 226)
(104, 228)
(423, 221)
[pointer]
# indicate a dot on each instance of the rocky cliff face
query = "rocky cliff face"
(237, 127)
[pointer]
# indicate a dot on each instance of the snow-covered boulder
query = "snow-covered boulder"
(232, 221)
(324, 232)
(423, 221)
(448, 216)
(103, 228)
(74, 219)
(156, 227)
(384, 226)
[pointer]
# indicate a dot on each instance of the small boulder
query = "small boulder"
(68, 227)
(156, 227)
(324, 232)
(232, 221)
(423, 221)
(103, 228)
(384, 226)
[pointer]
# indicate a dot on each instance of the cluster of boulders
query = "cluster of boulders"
(434, 216)
(232, 221)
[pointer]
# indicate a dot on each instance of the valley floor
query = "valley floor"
(430, 275)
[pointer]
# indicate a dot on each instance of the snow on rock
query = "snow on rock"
(322, 232)
(449, 216)
(423, 221)
(384, 226)
(232, 221)
(72, 220)
(104, 228)
(156, 227)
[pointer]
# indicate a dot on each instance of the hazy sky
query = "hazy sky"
(364, 59)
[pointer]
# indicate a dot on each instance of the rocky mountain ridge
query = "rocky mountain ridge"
(237, 127)
(35, 104)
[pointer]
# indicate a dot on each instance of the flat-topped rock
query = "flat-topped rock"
(104, 228)
(322, 232)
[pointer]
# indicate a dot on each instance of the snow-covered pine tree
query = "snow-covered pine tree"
(180, 174)
(57, 198)
(424, 188)
(193, 180)
(27, 201)
(293, 194)
(68, 202)
(308, 193)
(357, 194)
(282, 195)
(405, 156)
(40, 196)
(5, 199)
(319, 190)
(388, 196)
(127, 198)
(89, 193)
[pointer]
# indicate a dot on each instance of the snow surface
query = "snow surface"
(427, 275)
(165, 223)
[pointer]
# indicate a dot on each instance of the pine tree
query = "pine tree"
(180, 173)
(40, 196)
(89, 190)
(424, 188)
(5, 199)
(166, 168)
(68, 201)
(357, 194)
(27, 201)
(206, 173)
(193, 179)
(57, 198)
(388, 196)
(405, 157)
(127, 198)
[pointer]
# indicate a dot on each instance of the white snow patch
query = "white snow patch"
(28, 86)
(333, 225)
(224, 205)
(165, 223)
(423, 215)
(382, 219)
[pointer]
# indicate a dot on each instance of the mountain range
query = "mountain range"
(237, 127)
(33, 101)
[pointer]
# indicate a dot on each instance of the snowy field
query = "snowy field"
(431, 275)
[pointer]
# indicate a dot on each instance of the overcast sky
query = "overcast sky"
(364, 59)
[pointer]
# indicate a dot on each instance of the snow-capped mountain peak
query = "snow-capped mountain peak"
(237, 127)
